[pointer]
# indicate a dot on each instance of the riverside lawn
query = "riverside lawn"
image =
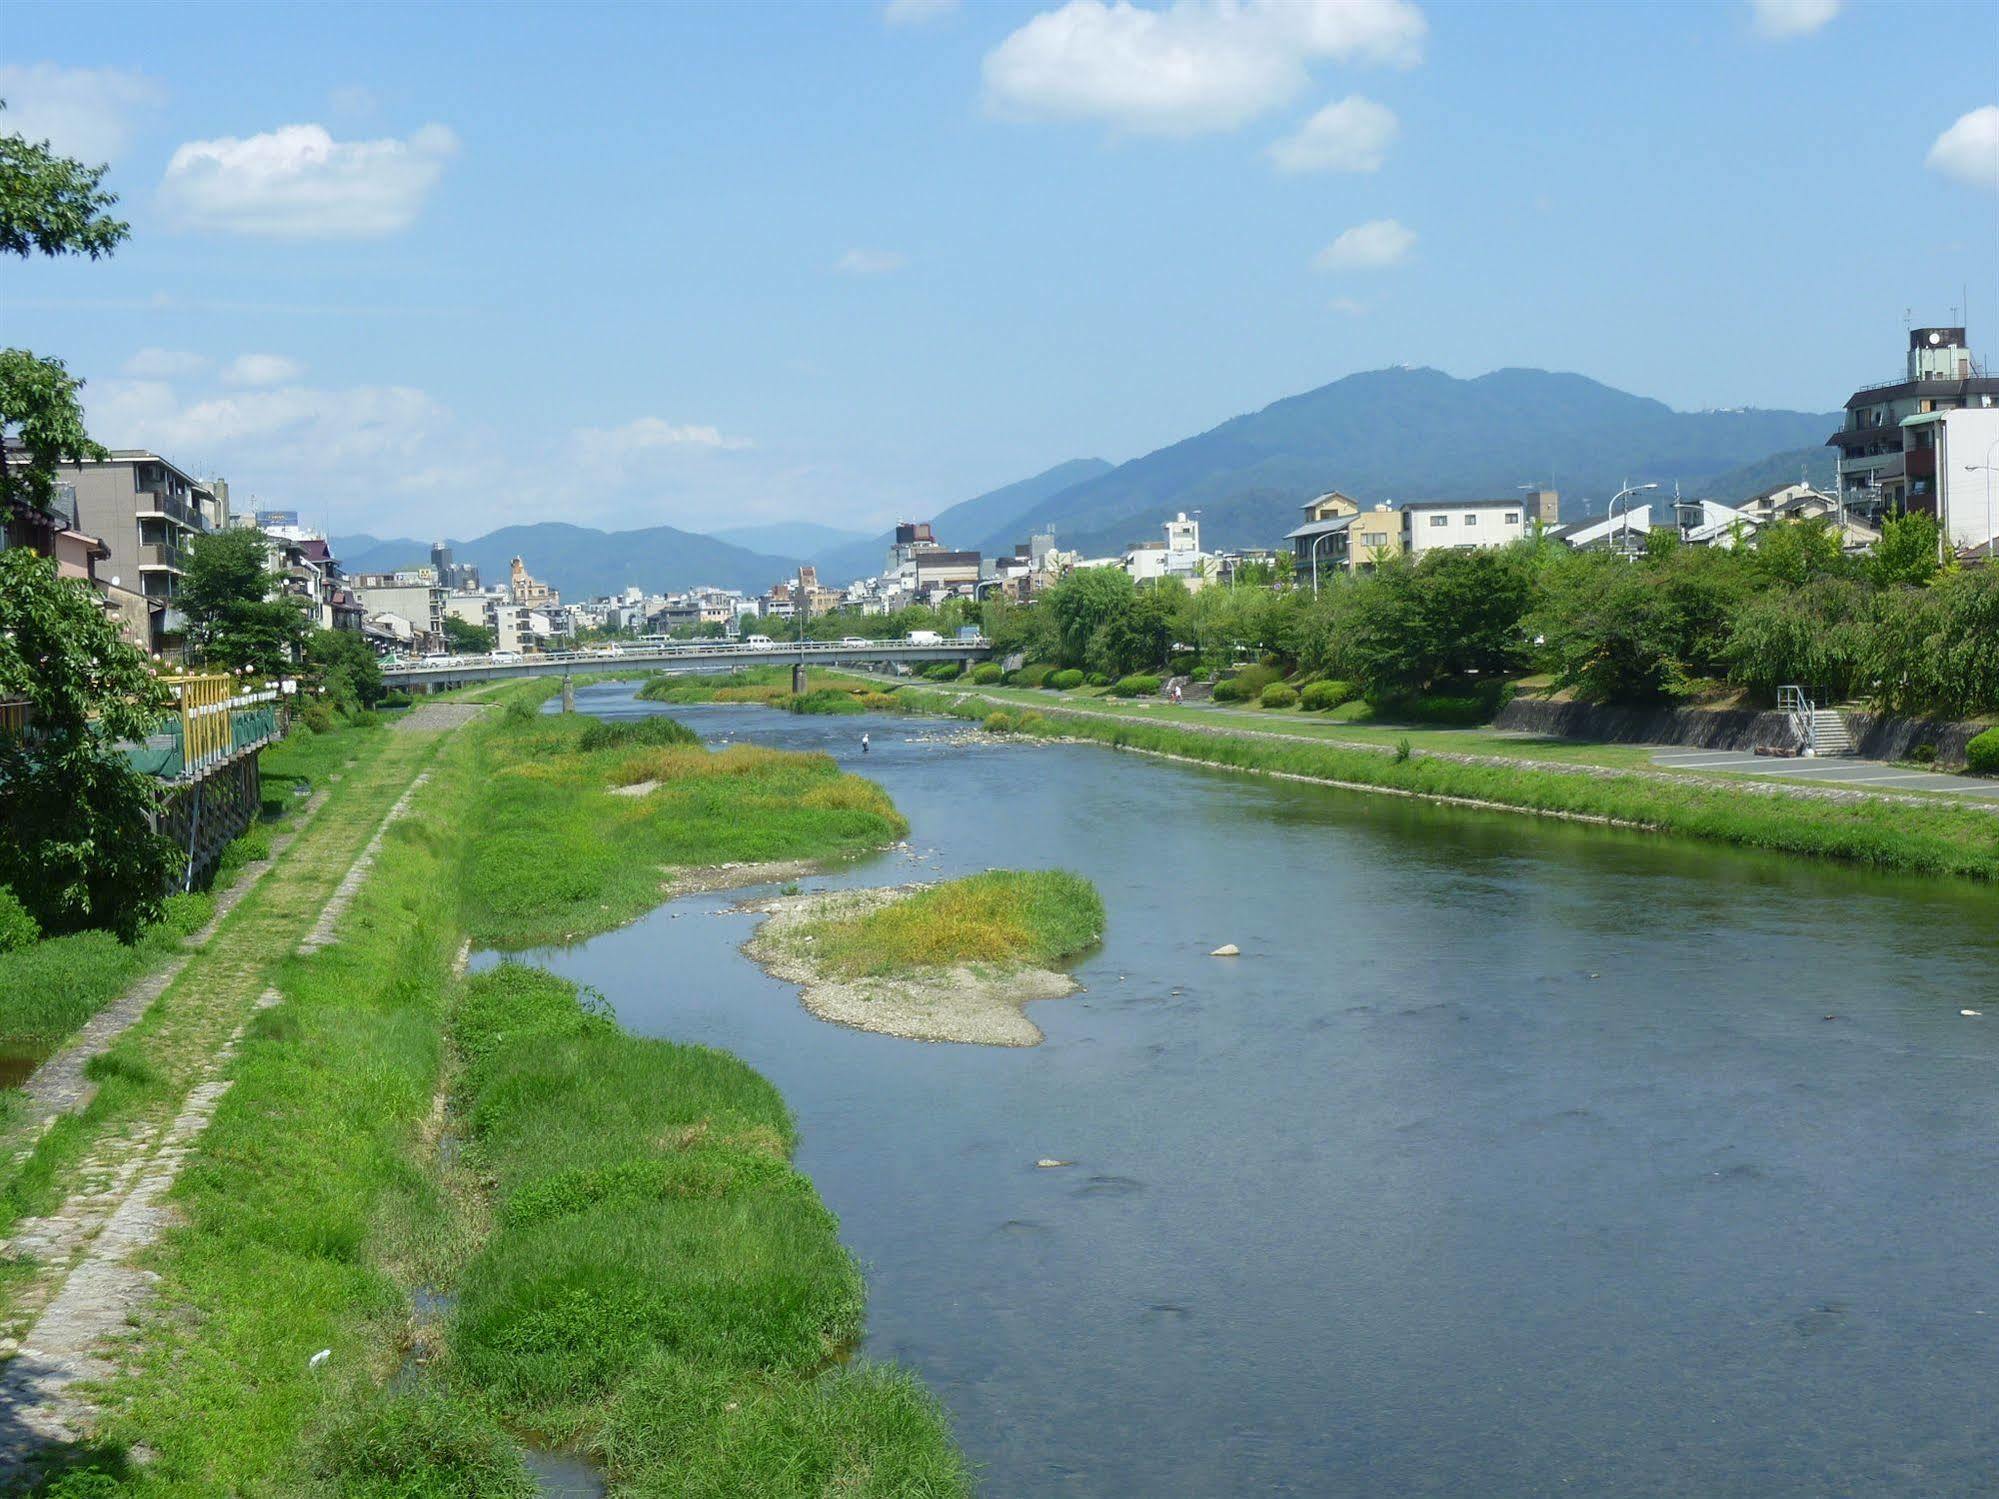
(1936, 838)
(642, 1275)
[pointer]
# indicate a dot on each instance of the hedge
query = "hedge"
(1030, 676)
(1320, 696)
(1098, 679)
(1277, 695)
(1065, 681)
(1135, 686)
(1981, 756)
(986, 673)
(943, 671)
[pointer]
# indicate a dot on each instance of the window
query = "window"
(1472, 518)
(1440, 520)
(1513, 517)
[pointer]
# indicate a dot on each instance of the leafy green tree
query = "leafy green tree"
(1450, 617)
(1936, 649)
(1907, 554)
(76, 842)
(466, 638)
(342, 662)
(237, 613)
(1796, 552)
(1082, 603)
(49, 205)
(52, 204)
(1636, 632)
(1814, 636)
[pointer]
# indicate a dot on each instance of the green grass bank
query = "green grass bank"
(1004, 917)
(1932, 839)
(637, 1270)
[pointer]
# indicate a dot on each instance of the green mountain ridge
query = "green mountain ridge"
(582, 562)
(1413, 433)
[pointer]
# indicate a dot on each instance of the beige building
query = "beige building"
(147, 512)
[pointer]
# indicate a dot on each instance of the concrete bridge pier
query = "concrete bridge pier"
(798, 678)
(568, 694)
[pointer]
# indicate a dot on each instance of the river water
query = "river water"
(1509, 1157)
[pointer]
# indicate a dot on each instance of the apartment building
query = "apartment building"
(147, 512)
(1881, 472)
(1461, 524)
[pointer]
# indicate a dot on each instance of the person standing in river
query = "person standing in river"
(864, 744)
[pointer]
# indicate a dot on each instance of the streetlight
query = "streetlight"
(1322, 536)
(1612, 513)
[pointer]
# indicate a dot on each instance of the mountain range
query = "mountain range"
(1415, 434)
(1393, 434)
(582, 562)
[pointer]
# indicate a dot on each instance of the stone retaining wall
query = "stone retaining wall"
(1876, 736)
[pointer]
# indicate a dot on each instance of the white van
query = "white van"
(757, 642)
(925, 637)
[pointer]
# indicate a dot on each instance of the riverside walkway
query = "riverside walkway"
(1844, 771)
(90, 1167)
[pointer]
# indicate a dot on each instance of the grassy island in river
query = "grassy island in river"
(949, 962)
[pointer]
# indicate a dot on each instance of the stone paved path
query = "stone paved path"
(88, 1253)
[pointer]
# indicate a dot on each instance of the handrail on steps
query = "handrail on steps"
(1791, 700)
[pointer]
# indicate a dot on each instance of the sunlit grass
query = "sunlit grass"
(1002, 917)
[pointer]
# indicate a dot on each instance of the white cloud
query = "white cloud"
(1348, 306)
(1969, 150)
(1778, 19)
(262, 369)
(1367, 247)
(915, 12)
(1197, 66)
(164, 364)
(298, 182)
(870, 262)
(650, 435)
(82, 112)
(1351, 136)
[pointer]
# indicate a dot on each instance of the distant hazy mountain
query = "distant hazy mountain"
(967, 524)
(798, 538)
(1815, 465)
(585, 563)
(1410, 434)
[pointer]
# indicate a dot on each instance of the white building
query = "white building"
(1963, 445)
(1462, 524)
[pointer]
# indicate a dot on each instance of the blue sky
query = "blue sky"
(436, 269)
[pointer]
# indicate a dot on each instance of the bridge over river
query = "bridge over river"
(434, 673)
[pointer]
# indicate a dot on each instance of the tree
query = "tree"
(237, 614)
(76, 842)
(1081, 603)
(1796, 552)
(465, 637)
(55, 206)
(341, 662)
(1907, 554)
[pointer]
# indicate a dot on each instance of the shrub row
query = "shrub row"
(1981, 756)
(1135, 686)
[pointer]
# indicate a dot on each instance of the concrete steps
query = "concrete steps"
(1829, 736)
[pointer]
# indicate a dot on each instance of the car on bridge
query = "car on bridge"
(758, 642)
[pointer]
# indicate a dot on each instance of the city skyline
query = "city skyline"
(707, 268)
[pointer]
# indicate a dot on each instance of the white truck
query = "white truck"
(924, 637)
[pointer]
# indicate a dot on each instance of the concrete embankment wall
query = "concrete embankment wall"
(1876, 736)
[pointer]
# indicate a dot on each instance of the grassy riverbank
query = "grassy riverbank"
(769, 686)
(638, 1271)
(52, 987)
(1005, 917)
(1937, 838)
(561, 854)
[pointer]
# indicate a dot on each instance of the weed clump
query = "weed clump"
(1007, 917)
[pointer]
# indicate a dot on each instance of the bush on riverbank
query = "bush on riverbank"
(1009, 917)
(1247, 684)
(1319, 697)
(1137, 685)
(1277, 695)
(825, 700)
(942, 671)
(1981, 755)
(633, 733)
(986, 673)
(1066, 681)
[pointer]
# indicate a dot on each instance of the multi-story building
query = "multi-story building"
(147, 512)
(1461, 524)
(1880, 471)
(524, 589)
(1958, 448)
(413, 595)
(911, 537)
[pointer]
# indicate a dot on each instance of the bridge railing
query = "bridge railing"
(608, 659)
(211, 724)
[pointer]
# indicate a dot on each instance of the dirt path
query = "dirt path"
(87, 1253)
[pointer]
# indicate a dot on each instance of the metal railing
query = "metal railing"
(1792, 702)
(214, 723)
(610, 656)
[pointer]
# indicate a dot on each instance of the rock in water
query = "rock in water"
(1046, 1161)
(1226, 950)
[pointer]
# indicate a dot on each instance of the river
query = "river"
(1509, 1158)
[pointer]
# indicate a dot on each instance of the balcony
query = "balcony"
(158, 557)
(157, 503)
